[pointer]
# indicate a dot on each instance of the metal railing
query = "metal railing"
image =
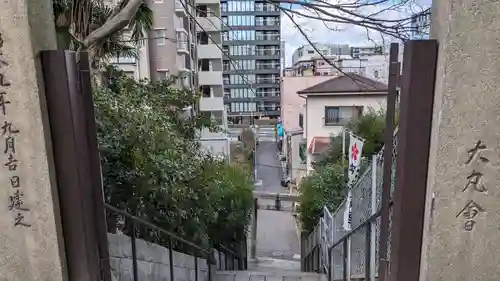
(346, 252)
(136, 228)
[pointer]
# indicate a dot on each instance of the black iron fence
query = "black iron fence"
(218, 257)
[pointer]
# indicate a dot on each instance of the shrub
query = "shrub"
(153, 166)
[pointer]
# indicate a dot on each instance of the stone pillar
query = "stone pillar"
(462, 227)
(31, 246)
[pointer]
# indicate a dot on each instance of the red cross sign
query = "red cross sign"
(354, 152)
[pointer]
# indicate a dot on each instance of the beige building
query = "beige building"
(185, 42)
(169, 48)
(333, 103)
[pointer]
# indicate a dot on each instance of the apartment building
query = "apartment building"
(371, 62)
(184, 42)
(252, 58)
(210, 69)
(307, 52)
(169, 49)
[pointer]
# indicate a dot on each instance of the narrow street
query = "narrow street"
(277, 241)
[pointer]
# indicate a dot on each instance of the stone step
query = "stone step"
(271, 275)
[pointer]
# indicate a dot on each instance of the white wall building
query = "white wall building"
(333, 103)
(177, 46)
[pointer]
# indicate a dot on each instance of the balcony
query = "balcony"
(267, 80)
(208, 2)
(267, 53)
(209, 78)
(208, 24)
(267, 37)
(179, 8)
(211, 104)
(182, 41)
(122, 60)
(209, 51)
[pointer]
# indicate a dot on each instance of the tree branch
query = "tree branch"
(114, 24)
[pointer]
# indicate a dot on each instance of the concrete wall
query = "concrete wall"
(298, 168)
(153, 262)
(291, 103)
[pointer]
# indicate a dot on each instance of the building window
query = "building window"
(301, 120)
(206, 91)
(236, 35)
(240, 21)
(240, 6)
(375, 74)
(163, 74)
(310, 52)
(332, 115)
(160, 37)
(335, 115)
(243, 107)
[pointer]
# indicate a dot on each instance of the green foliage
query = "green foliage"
(153, 165)
(370, 126)
(323, 187)
(326, 185)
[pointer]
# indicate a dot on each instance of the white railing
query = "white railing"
(332, 238)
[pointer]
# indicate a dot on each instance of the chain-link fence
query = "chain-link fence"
(350, 252)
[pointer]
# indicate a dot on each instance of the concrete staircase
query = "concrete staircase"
(275, 275)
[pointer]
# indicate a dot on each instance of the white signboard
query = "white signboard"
(355, 150)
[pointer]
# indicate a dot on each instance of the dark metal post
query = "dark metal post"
(416, 108)
(171, 257)
(84, 228)
(303, 240)
(277, 203)
(95, 165)
(209, 264)
(388, 142)
(195, 266)
(330, 268)
(253, 248)
(134, 251)
(346, 248)
(220, 259)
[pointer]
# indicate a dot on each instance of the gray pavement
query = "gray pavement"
(268, 168)
(276, 230)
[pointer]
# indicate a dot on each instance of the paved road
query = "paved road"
(276, 230)
(268, 168)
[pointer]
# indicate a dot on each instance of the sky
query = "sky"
(348, 34)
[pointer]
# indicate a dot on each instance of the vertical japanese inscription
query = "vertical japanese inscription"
(9, 133)
(474, 183)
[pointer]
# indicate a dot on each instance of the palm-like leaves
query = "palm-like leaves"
(120, 43)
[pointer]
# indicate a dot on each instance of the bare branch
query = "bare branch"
(352, 13)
